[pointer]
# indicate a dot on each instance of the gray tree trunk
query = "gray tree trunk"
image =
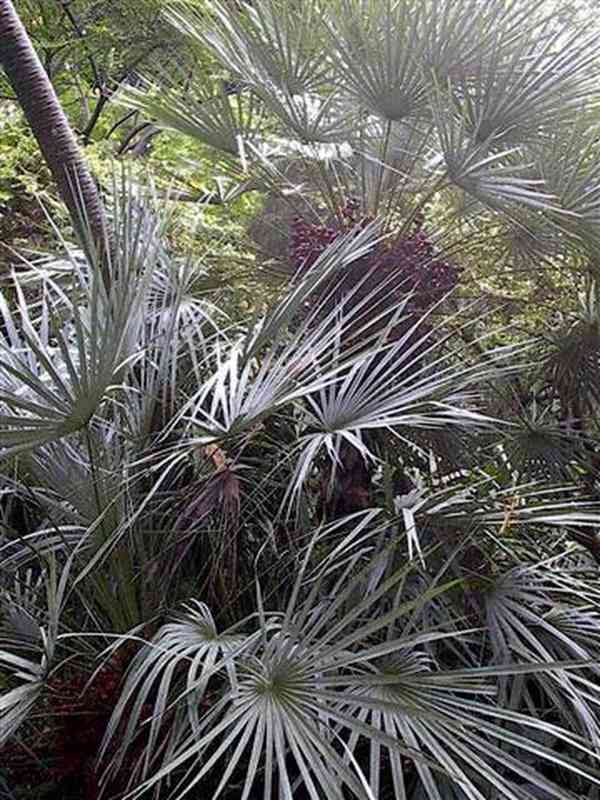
(51, 129)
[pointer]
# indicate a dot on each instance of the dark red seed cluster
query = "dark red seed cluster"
(419, 269)
(410, 264)
(309, 240)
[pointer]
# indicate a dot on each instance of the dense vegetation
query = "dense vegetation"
(299, 478)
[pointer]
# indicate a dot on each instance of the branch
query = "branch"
(119, 122)
(81, 35)
(139, 148)
(99, 82)
(124, 146)
(102, 101)
(105, 95)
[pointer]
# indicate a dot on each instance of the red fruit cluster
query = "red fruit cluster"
(309, 240)
(419, 269)
(410, 264)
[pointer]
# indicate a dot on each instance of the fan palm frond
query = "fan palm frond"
(533, 618)
(540, 449)
(64, 356)
(528, 85)
(208, 113)
(293, 696)
(375, 53)
(457, 40)
(571, 360)
(17, 704)
(241, 387)
(31, 675)
(410, 383)
(497, 178)
(568, 163)
(275, 44)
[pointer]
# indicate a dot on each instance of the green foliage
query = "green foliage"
(89, 48)
(24, 181)
(20, 159)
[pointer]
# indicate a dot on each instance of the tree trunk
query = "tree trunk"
(52, 131)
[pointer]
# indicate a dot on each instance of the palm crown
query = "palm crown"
(483, 113)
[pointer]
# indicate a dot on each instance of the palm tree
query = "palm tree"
(50, 127)
(469, 130)
(475, 120)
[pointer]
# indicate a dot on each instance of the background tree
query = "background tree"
(88, 49)
(51, 129)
